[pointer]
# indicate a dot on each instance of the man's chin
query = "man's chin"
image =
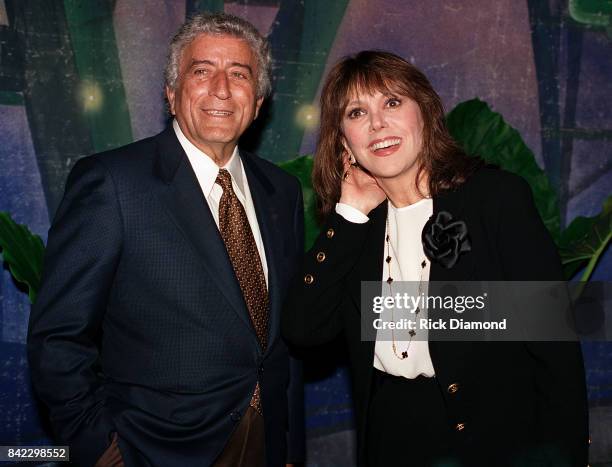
(216, 136)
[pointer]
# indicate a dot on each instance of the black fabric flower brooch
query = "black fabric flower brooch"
(444, 239)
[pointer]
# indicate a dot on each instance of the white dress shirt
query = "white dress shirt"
(206, 172)
(406, 250)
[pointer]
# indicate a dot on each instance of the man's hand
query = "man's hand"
(112, 456)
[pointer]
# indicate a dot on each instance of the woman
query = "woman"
(386, 170)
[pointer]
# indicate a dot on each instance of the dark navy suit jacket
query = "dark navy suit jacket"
(140, 327)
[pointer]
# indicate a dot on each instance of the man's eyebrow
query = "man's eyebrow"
(195, 62)
(242, 65)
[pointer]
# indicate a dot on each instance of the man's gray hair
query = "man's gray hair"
(220, 24)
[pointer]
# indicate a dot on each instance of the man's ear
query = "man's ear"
(258, 103)
(170, 94)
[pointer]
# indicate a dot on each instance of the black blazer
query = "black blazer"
(518, 394)
(140, 326)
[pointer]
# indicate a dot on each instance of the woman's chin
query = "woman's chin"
(388, 174)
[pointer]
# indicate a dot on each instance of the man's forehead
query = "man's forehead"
(216, 47)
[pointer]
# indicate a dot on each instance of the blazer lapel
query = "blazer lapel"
(186, 206)
(369, 268)
(370, 265)
(454, 203)
(267, 208)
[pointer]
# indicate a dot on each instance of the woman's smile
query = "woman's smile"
(385, 146)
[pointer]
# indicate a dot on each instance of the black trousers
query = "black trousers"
(408, 425)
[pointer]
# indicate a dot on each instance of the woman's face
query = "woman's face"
(384, 133)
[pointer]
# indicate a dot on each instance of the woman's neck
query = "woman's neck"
(403, 191)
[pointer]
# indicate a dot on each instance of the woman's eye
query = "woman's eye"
(354, 113)
(394, 102)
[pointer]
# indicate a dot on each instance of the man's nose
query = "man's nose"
(219, 87)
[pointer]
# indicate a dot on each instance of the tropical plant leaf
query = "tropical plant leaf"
(482, 132)
(585, 240)
(23, 252)
(301, 167)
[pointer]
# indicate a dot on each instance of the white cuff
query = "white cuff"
(351, 214)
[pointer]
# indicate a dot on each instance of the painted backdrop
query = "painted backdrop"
(82, 76)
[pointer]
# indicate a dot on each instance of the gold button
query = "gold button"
(320, 256)
(460, 426)
(453, 388)
(308, 279)
(330, 233)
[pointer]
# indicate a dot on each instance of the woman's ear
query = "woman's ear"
(352, 159)
(343, 141)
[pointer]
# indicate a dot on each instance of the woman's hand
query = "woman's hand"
(359, 189)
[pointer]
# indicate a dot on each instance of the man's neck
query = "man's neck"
(220, 154)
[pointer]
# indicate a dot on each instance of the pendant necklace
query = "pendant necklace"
(389, 281)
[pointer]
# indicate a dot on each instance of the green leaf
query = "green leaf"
(301, 167)
(482, 132)
(585, 240)
(23, 253)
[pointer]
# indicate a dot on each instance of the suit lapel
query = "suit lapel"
(186, 206)
(268, 218)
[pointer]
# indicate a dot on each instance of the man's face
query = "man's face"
(214, 100)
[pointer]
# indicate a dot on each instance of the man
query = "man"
(155, 337)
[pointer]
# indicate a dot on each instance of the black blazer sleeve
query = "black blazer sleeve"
(528, 253)
(312, 315)
(82, 253)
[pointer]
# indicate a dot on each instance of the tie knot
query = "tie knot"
(224, 179)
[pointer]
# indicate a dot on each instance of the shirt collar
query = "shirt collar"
(205, 168)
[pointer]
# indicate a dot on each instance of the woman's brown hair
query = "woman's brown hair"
(441, 158)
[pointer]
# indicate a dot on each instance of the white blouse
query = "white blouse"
(406, 250)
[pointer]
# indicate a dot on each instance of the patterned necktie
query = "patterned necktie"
(242, 250)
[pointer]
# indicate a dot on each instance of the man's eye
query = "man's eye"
(200, 71)
(355, 113)
(239, 75)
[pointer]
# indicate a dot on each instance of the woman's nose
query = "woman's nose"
(377, 121)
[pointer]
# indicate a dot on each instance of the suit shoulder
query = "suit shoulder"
(124, 156)
(127, 165)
